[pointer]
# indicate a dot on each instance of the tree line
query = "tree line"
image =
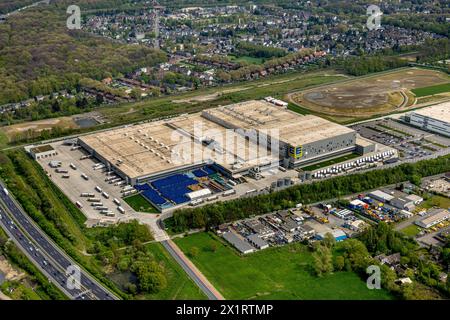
(215, 214)
(259, 51)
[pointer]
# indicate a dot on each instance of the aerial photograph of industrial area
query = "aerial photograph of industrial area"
(253, 151)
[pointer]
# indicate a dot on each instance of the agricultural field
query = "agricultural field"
(274, 273)
(140, 204)
(369, 96)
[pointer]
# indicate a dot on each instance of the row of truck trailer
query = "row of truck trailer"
(354, 165)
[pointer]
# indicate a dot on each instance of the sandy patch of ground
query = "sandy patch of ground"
(7, 269)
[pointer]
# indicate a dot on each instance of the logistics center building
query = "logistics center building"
(435, 118)
(266, 135)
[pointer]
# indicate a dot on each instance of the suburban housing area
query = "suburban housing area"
(212, 150)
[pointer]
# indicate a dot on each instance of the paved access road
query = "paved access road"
(192, 271)
(44, 253)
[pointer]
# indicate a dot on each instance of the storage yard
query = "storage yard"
(401, 206)
(96, 192)
(294, 225)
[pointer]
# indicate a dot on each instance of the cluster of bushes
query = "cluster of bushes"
(48, 58)
(259, 51)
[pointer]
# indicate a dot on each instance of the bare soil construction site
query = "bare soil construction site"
(369, 96)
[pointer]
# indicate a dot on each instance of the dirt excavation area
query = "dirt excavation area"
(8, 272)
(370, 95)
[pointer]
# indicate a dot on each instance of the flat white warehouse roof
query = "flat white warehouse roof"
(439, 112)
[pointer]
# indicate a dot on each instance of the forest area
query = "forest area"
(39, 55)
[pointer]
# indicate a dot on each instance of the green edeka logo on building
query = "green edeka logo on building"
(296, 152)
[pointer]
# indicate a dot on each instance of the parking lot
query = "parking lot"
(97, 193)
(411, 142)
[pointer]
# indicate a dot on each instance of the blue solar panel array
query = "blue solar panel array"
(209, 170)
(199, 173)
(174, 187)
(153, 196)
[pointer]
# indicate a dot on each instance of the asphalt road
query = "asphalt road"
(45, 254)
(192, 274)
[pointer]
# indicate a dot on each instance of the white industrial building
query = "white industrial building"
(381, 196)
(41, 151)
(436, 216)
(435, 118)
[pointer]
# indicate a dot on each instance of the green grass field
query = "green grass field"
(428, 91)
(436, 201)
(411, 230)
(139, 203)
(274, 273)
(250, 60)
(330, 162)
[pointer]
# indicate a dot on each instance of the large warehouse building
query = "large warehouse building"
(435, 118)
(157, 149)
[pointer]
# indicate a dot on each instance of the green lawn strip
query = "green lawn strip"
(435, 143)
(411, 230)
(395, 130)
(46, 290)
(274, 273)
(19, 291)
(139, 203)
(431, 90)
(330, 162)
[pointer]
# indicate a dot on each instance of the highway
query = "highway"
(45, 254)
